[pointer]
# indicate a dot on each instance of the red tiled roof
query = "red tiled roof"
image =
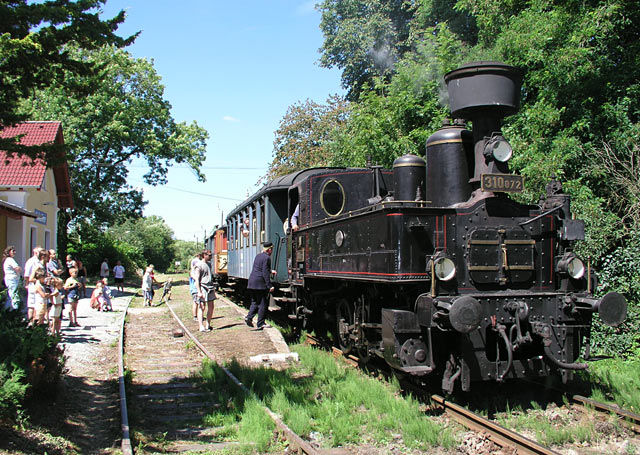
(22, 171)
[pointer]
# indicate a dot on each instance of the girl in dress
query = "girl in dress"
(55, 312)
(41, 296)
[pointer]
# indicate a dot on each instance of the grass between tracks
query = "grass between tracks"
(322, 400)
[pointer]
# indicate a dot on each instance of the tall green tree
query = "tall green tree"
(123, 116)
(34, 39)
(304, 134)
(364, 38)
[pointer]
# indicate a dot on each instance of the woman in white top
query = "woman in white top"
(12, 274)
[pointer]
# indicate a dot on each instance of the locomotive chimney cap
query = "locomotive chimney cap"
(484, 88)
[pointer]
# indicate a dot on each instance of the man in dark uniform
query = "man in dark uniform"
(259, 286)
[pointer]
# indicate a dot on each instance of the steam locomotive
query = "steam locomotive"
(431, 265)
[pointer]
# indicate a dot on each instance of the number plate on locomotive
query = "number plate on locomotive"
(502, 182)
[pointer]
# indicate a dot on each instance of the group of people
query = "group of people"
(47, 283)
(202, 288)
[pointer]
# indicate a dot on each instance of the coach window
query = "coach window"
(254, 237)
(332, 198)
(237, 230)
(230, 239)
(262, 227)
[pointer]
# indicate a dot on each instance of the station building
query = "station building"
(31, 192)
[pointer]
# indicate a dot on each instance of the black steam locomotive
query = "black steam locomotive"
(431, 265)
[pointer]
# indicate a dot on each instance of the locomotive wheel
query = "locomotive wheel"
(363, 345)
(344, 326)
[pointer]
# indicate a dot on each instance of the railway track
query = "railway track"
(163, 396)
(507, 439)
(629, 419)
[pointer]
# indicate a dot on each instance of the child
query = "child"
(166, 291)
(106, 294)
(71, 286)
(41, 296)
(97, 297)
(56, 309)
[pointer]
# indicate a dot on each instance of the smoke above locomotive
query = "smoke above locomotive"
(430, 265)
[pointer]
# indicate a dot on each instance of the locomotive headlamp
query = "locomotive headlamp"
(444, 268)
(572, 266)
(498, 147)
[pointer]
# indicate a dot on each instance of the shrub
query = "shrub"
(12, 392)
(31, 362)
(620, 272)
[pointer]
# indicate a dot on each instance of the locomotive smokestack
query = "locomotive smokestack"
(485, 92)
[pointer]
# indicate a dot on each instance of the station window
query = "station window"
(332, 198)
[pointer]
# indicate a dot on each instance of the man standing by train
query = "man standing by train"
(203, 283)
(260, 286)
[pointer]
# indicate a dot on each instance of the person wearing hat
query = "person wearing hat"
(260, 286)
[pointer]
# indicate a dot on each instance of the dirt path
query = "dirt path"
(85, 418)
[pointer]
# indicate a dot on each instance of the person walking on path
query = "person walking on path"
(118, 274)
(104, 269)
(206, 290)
(11, 278)
(260, 286)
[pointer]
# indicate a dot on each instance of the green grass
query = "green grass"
(616, 381)
(337, 404)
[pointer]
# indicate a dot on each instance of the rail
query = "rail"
(291, 436)
(127, 449)
(630, 419)
(499, 434)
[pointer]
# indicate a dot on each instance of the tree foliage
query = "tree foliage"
(123, 116)
(304, 132)
(364, 38)
(134, 242)
(580, 103)
(34, 53)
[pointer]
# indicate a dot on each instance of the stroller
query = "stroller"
(166, 291)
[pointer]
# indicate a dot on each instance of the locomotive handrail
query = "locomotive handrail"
(540, 216)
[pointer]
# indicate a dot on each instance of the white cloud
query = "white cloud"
(228, 118)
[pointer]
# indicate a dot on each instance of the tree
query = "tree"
(34, 40)
(123, 116)
(364, 38)
(135, 242)
(303, 135)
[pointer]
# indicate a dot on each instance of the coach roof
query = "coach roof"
(279, 184)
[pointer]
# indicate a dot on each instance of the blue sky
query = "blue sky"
(234, 67)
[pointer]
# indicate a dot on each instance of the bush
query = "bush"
(620, 272)
(12, 392)
(31, 362)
